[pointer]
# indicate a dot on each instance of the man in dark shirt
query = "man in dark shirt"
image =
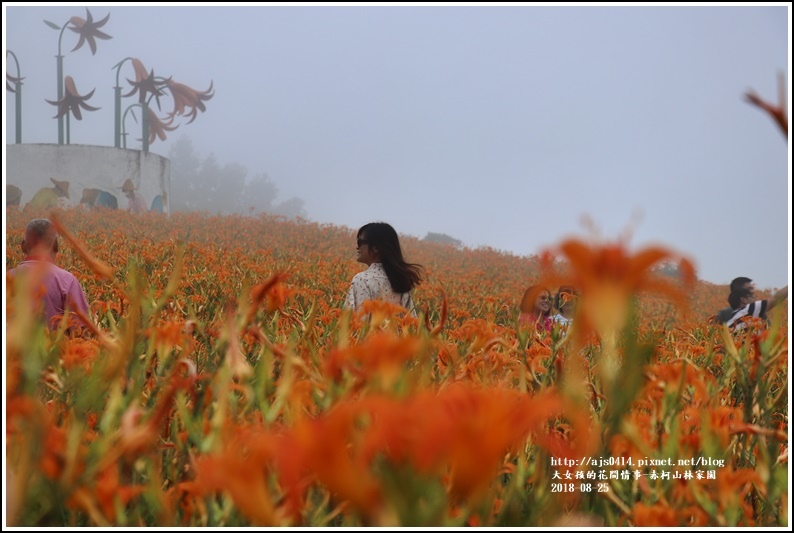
(723, 315)
(742, 302)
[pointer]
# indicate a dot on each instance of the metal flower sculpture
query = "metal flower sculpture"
(73, 101)
(16, 88)
(145, 84)
(187, 98)
(88, 30)
(187, 102)
(157, 127)
(777, 112)
(17, 81)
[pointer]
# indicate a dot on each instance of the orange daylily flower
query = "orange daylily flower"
(381, 355)
(733, 486)
(106, 489)
(723, 421)
(80, 352)
(434, 331)
(136, 437)
(609, 275)
(268, 289)
(481, 333)
(656, 515)
(324, 449)
(465, 429)
(53, 458)
(241, 469)
(538, 355)
(277, 296)
(663, 378)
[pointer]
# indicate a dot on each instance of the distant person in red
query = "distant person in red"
(536, 310)
(60, 290)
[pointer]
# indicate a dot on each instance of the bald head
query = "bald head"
(40, 238)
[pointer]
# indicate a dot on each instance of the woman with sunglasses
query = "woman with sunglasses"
(536, 309)
(389, 277)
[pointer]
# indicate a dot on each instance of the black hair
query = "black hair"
(381, 237)
(739, 282)
(735, 299)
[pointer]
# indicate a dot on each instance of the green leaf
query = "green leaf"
(52, 25)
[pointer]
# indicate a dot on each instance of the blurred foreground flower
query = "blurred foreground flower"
(608, 277)
(100, 268)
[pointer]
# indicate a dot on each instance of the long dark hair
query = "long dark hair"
(381, 236)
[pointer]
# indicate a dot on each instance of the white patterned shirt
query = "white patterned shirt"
(373, 284)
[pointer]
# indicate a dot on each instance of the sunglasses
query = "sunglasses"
(361, 242)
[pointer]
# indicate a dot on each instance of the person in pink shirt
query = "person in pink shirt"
(60, 290)
(536, 309)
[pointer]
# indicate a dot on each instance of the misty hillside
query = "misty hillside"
(318, 258)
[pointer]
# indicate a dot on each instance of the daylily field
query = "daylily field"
(222, 384)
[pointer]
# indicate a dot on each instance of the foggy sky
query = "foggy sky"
(500, 126)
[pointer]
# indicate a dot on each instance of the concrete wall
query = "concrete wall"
(30, 167)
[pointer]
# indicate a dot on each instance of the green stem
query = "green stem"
(117, 104)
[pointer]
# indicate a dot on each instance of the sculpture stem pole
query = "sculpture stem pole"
(59, 59)
(17, 100)
(117, 102)
(18, 111)
(124, 119)
(145, 126)
(117, 119)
